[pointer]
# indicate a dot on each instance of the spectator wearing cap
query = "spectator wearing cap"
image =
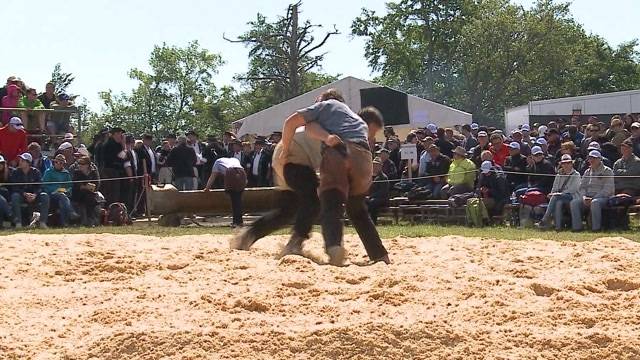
(40, 161)
(60, 120)
(516, 162)
(525, 148)
(66, 149)
(569, 148)
(13, 140)
(34, 119)
(595, 146)
(541, 171)
(635, 138)
(462, 174)
(446, 147)
(388, 167)
(5, 194)
(474, 129)
(542, 131)
(597, 186)
(592, 133)
(11, 100)
(393, 145)
(260, 161)
(431, 130)
(526, 135)
(437, 170)
(182, 159)
(627, 165)
(469, 139)
(48, 96)
(492, 187)
(498, 149)
(483, 145)
(57, 183)
(379, 192)
(114, 157)
(26, 188)
(566, 187)
(84, 195)
(616, 133)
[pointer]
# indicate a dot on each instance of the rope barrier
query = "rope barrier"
(72, 182)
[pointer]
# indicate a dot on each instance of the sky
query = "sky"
(99, 41)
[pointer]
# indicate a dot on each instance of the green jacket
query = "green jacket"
(462, 172)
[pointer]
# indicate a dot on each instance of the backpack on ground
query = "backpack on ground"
(460, 200)
(117, 215)
(476, 212)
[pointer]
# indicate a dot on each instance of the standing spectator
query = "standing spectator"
(149, 160)
(516, 163)
(597, 186)
(388, 167)
(541, 171)
(5, 195)
(182, 159)
(58, 186)
(462, 174)
(114, 156)
(11, 80)
(498, 149)
(469, 140)
(96, 147)
(132, 168)
(165, 172)
(234, 181)
(40, 162)
(48, 96)
(13, 140)
(236, 151)
(60, 120)
(28, 189)
(635, 138)
(84, 194)
(379, 193)
(30, 102)
(566, 188)
(445, 146)
(260, 164)
(483, 144)
(227, 140)
(194, 142)
(627, 165)
(437, 170)
(11, 100)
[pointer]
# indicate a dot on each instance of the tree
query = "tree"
(61, 80)
(283, 58)
(483, 56)
(176, 95)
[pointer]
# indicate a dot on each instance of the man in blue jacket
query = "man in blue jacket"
(27, 189)
(57, 181)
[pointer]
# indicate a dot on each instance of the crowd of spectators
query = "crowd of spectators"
(565, 169)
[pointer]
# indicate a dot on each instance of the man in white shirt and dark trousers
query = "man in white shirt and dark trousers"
(260, 162)
(229, 172)
(150, 162)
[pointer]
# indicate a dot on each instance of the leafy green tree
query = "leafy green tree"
(61, 80)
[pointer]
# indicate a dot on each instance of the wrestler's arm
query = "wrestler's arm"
(315, 131)
(288, 130)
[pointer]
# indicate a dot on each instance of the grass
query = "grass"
(386, 232)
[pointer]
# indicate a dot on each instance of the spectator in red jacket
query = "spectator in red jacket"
(498, 149)
(13, 140)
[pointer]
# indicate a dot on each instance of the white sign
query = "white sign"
(409, 152)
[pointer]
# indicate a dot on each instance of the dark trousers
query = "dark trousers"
(374, 206)
(301, 203)
(332, 203)
(111, 189)
(236, 206)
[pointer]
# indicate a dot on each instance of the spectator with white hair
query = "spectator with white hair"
(597, 186)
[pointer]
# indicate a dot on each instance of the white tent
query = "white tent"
(421, 111)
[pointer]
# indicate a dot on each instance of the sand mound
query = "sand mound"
(134, 297)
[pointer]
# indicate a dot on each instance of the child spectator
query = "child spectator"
(58, 185)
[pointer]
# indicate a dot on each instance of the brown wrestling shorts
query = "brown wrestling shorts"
(349, 173)
(235, 179)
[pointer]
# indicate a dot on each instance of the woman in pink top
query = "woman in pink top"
(10, 101)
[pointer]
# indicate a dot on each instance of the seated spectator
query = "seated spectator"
(13, 141)
(425, 157)
(462, 174)
(597, 186)
(60, 121)
(566, 187)
(525, 148)
(554, 141)
(58, 185)
(628, 119)
(34, 119)
(617, 133)
(627, 165)
(66, 149)
(635, 138)
(84, 195)
(182, 159)
(48, 96)
(611, 152)
(516, 163)
(40, 162)
(492, 188)
(574, 135)
(437, 170)
(393, 145)
(388, 167)
(498, 149)
(5, 195)
(11, 100)
(27, 190)
(592, 132)
(541, 171)
(379, 193)
(569, 148)
(483, 145)
(526, 135)
(595, 146)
